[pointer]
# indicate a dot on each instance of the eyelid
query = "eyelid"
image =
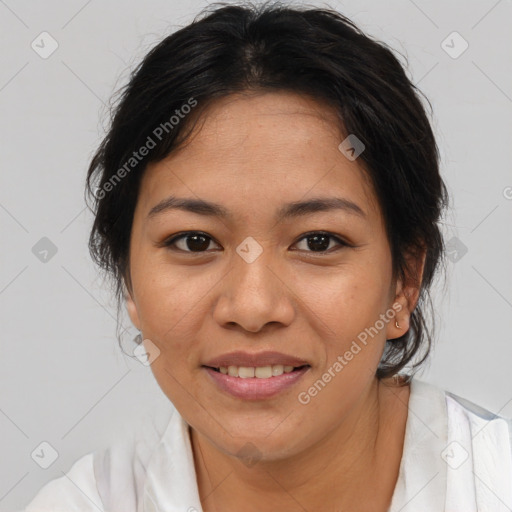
(170, 241)
(338, 238)
(341, 244)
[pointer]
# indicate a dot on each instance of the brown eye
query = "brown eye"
(321, 241)
(190, 242)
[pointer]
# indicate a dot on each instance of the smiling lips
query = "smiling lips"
(246, 359)
(260, 372)
(255, 376)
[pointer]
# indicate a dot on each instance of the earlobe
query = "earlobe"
(399, 323)
(406, 297)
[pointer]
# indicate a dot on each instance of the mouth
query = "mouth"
(259, 372)
(255, 383)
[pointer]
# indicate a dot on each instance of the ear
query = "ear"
(407, 293)
(131, 307)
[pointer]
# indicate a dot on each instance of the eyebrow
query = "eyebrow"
(287, 211)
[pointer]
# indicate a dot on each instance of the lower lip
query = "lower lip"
(254, 388)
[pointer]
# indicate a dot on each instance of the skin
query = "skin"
(253, 153)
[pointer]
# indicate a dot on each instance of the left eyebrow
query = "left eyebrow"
(289, 210)
(319, 204)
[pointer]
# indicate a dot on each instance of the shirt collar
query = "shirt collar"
(171, 477)
(421, 483)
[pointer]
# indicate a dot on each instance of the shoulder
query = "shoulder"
(109, 478)
(456, 452)
(485, 436)
(76, 488)
(482, 423)
(460, 410)
(478, 456)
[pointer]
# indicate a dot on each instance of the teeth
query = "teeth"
(261, 372)
(278, 369)
(244, 372)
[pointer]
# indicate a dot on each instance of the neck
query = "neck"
(361, 453)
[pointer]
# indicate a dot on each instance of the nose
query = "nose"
(254, 294)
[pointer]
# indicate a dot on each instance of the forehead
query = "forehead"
(260, 150)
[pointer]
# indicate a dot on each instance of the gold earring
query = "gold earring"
(396, 325)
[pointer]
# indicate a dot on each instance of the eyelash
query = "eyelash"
(171, 241)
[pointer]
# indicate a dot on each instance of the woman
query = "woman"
(267, 201)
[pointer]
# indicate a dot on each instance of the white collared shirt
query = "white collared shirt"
(457, 457)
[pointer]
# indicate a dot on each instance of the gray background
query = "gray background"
(63, 378)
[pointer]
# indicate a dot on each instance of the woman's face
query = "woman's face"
(252, 281)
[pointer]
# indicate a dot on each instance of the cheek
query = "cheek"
(345, 306)
(171, 305)
(344, 300)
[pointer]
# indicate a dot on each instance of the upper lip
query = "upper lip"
(268, 358)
